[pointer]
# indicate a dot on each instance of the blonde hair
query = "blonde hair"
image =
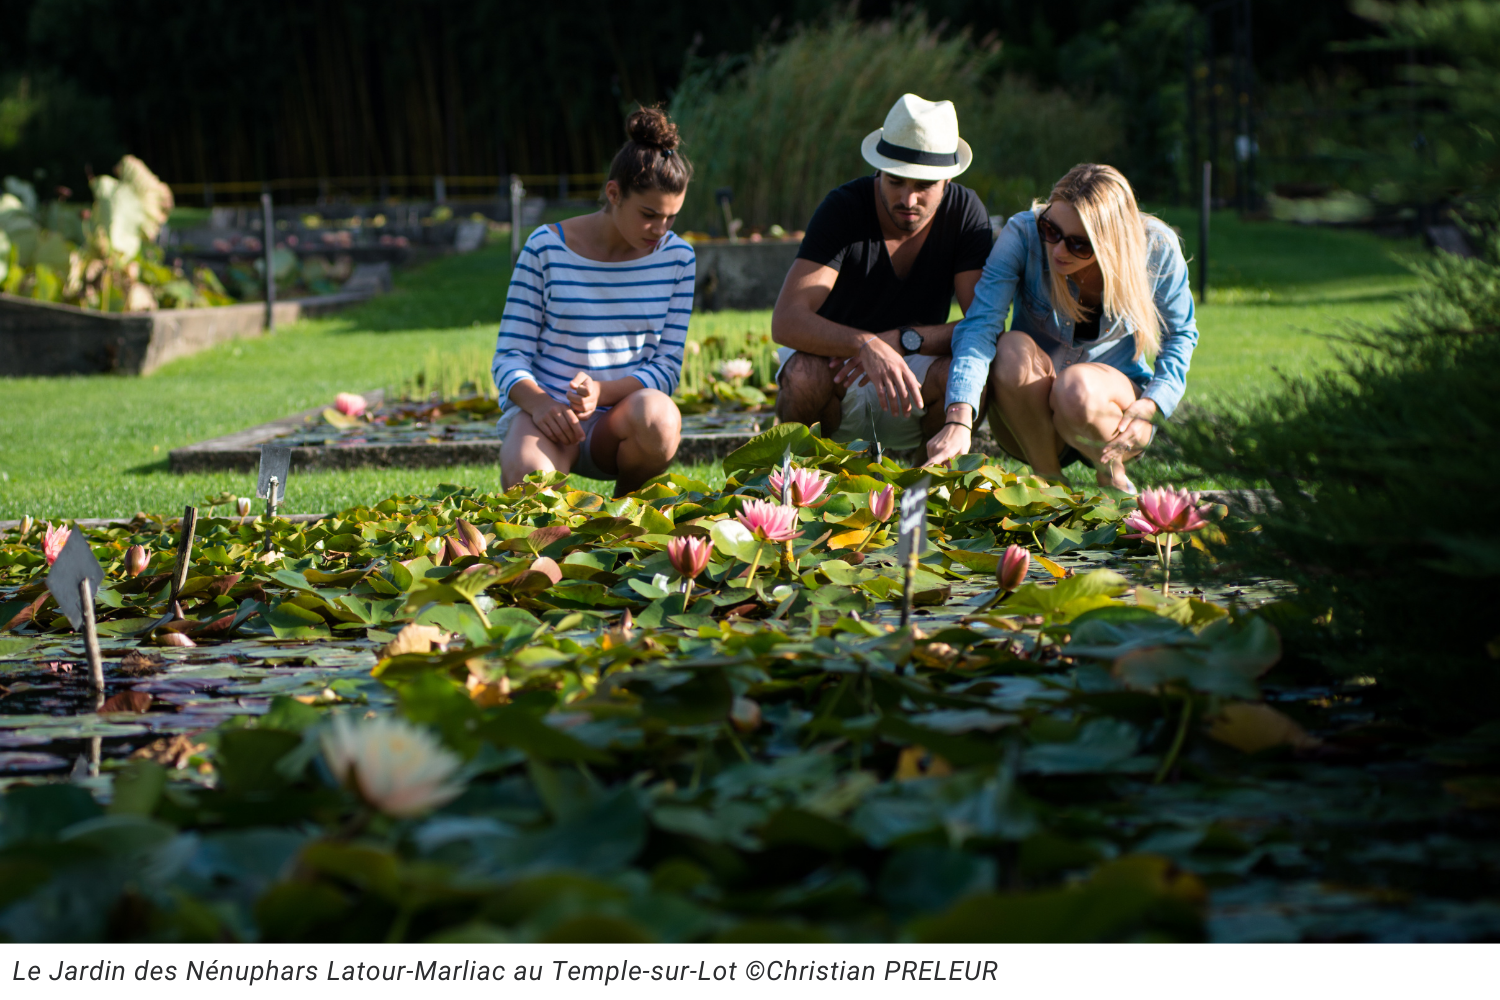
(1116, 227)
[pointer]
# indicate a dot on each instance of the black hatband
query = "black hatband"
(917, 156)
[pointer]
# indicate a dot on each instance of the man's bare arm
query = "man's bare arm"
(795, 323)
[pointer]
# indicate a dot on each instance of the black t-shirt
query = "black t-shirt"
(845, 235)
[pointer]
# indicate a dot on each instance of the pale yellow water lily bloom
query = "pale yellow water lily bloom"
(395, 766)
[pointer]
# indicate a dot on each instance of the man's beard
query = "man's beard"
(905, 223)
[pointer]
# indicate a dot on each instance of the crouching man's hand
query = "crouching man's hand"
(954, 437)
(896, 386)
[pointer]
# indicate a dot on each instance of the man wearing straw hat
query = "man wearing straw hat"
(862, 318)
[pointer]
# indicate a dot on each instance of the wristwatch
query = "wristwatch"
(911, 340)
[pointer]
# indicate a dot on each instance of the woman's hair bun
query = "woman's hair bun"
(651, 127)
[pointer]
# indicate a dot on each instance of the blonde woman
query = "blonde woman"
(1096, 287)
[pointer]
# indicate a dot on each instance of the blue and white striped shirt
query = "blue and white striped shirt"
(565, 314)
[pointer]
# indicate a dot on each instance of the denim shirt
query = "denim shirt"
(1017, 274)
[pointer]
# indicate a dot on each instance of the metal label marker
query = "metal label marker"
(786, 477)
(74, 580)
(912, 538)
(275, 465)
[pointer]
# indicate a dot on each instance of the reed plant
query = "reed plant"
(784, 126)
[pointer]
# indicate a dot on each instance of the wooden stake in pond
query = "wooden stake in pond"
(184, 557)
(912, 539)
(268, 230)
(74, 580)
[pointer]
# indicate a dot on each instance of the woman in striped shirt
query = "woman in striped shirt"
(590, 346)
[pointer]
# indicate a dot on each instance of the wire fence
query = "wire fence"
(433, 187)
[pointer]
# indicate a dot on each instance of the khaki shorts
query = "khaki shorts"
(863, 416)
(584, 464)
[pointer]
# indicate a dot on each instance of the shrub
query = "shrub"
(784, 127)
(1385, 512)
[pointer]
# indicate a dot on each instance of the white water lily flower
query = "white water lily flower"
(396, 767)
(737, 368)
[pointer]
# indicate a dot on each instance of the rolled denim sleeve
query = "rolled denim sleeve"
(1179, 327)
(975, 336)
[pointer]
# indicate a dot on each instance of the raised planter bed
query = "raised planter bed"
(742, 275)
(45, 338)
(316, 445)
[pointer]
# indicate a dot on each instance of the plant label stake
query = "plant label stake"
(912, 539)
(184, 557)
(74, 580)
(275, 466)
(876, 453)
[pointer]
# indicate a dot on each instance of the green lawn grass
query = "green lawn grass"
(93, 446)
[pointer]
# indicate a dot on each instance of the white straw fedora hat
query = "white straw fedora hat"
(920, 140)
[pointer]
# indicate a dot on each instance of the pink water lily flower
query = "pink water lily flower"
(770, 522)
(807, 486)
(350, 404)
(1013, 567)
(136, 560)
(53, 542)
(689, 554)
(883, 503)
(1165, 510)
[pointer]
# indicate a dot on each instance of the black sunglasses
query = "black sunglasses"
(1078, 246)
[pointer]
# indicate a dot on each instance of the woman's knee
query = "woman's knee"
(651, 414)
(1018, 359)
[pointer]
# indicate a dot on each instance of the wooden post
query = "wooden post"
(184, 557)
(1205, 207)
(268, 224)
(517, 192)
(91, 634)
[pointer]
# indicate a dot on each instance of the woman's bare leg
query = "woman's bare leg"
(527, 450)
(637, 439)
(1088, 401)
(1022, 378)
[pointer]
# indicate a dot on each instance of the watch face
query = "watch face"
(911, 340)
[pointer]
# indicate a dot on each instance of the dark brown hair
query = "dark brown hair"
(650, 160)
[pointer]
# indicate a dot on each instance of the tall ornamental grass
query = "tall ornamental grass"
(784, 127)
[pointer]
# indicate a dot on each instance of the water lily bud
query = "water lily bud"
(53, 541)
(136, 560)
(350, 404)
(242, 505)
(689, 555)
(174, 639)
(547, 566)
(883, 503)
(745, 715)
(1014, 564)
(456, 550)
(471, 536)
(26, 525)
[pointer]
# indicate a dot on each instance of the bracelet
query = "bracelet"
(956, 423)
